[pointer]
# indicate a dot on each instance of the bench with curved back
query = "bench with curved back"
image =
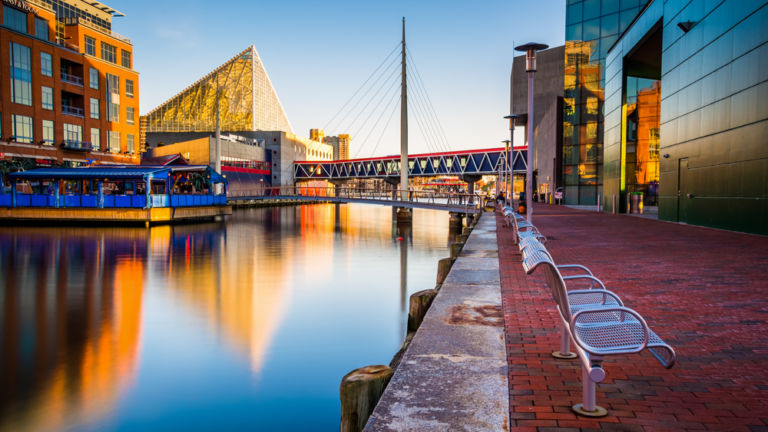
(596, 321)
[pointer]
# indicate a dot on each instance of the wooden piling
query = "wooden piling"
(466, 230)
(420, 302)
(462, 238)
(360, 391)
(455, 249)
(443, 268)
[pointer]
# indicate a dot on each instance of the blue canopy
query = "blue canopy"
(114, 172)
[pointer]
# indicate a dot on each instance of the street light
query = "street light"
(512, 118)
(530, 67)
(507, 145)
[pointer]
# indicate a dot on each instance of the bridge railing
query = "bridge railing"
(417, 196)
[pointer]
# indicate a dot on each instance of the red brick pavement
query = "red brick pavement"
(703, 291)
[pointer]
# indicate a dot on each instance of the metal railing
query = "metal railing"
(72, 79)
(75, 111)
(77, 145)
(447, 199)
(92, 26)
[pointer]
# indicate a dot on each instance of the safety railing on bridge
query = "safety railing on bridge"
(445, 199)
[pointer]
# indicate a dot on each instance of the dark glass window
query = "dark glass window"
(41, 28)
(129, 88)
(626, 18)
(14, 19)
(21, 75)
(108, 52)
(573, 32)
(591, 9)
(573, 13)
(591, 30)
(125, 58)
(609, 6)
(609, 25)
(93, 78)
(90, 46)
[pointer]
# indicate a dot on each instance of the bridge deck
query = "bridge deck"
(456, 208)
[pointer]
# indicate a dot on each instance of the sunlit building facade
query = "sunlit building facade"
(246, 101)
(68, 92)
(592, 27)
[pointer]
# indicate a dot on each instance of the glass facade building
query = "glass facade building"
(592, 27)
(686, 113)
(246, 101)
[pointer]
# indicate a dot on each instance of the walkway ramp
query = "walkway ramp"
(454, 374)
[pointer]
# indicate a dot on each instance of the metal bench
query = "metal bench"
(599, 325)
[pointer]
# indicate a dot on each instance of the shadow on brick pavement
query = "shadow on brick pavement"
(704, 291)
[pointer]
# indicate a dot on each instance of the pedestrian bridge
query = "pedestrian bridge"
(465, 164)
(452, 202)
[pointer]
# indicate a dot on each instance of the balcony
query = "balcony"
(72, 79)
(83, 146)
(72, 110)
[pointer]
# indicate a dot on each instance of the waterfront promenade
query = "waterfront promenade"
(704, 291)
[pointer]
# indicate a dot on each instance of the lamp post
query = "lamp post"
(530, 67)
(507, 144)
(512, 118)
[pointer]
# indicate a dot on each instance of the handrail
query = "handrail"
(417, 196)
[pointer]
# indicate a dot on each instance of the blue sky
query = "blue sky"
(317, 53)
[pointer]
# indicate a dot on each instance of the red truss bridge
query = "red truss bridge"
(467, 164)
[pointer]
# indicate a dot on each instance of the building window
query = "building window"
(15, 19)
(129, 143)
(21, 75)
(94, 108)
(21, 128)
(47, 98)
(46, 64)
(129, 88)
(95, 138)
(41, 28)
(93, 78)
(129, 115)
(47, 132)
(108, 52)
(113, 141)
(73, 134)
(125, 58)
(113, 98)
(90, 45)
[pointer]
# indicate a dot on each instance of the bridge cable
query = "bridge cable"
(392, 100)
(391, 115)
(384, 76)
(392, 82)
(429, 100)
(328, 123)
(430, 119)
(429, 135)
(389, 95)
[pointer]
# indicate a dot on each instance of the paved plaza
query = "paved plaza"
(704, 291)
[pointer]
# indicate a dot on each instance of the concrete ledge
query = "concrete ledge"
(454, 374)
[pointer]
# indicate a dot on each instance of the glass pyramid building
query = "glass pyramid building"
(247, 101)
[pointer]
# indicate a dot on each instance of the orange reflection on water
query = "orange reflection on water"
(70, 346)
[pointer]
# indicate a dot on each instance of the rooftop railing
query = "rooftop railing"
(90, 25)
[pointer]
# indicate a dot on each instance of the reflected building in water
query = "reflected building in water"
(71, 323)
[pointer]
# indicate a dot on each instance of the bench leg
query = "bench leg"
(588, 407)
(565, 347)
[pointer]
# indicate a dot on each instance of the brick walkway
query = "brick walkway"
(704, 291)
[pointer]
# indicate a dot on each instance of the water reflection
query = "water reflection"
(206, 325)
(71, 325)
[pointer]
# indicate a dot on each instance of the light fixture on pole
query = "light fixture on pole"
(530, 67)
(505, 168)
(512, 118)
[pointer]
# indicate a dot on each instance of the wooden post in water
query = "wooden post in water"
(360, 391)
(443, 268)
(417, 309)
(455, 249)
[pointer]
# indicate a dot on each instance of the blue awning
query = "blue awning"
(114, 172)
